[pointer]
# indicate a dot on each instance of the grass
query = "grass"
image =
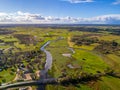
(6, 76)
(59, 61)
(109, 37)
(4, 47)
(115, 58)
(10, 40)
(87, 47)
(18, 45)
(109, 83)
(2, 36)
(83, 87)
(118, 41)
(60, 43)
(76, 33)
(6, 39)
(116, 61)
(70, 87)
(89, 61)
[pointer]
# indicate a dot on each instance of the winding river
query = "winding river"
(48, 63)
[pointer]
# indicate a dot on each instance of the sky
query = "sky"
(60, 11)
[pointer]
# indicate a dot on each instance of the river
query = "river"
(48, 65)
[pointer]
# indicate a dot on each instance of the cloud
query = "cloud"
(78, 1)
(104, 19)
(116, 2)
(29, 18)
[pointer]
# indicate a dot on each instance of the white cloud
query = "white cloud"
(79, 1)
(116, 2)
(104, 19)
(28, 18)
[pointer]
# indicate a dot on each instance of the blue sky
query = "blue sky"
(60, 10)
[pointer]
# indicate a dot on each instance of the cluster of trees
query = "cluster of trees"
(8, 60)
(5, 31)
(26, 39)
(107, 47)
(1, 41)
(77, 28)
(117, 32)
(83, 40)
(114, 31)
(85, 29)
(83, 77)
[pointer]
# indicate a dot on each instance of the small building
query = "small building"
(27, 76)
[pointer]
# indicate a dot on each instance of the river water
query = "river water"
(48, 65)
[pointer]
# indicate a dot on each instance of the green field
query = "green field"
(109, 83)
(6, 76)
(89, 61)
